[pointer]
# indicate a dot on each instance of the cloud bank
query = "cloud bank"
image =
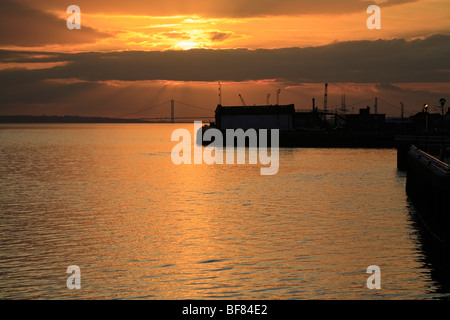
(220, 8)
(397, 60)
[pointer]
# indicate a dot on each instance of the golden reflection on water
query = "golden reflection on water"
(109, 199)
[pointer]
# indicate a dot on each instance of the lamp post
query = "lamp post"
(442, 101)
(425, 107)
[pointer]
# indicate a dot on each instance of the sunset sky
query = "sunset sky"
(129, 55)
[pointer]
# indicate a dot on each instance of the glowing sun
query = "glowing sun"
(186, 45)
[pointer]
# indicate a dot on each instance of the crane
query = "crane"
(220, 94)
(242, 100)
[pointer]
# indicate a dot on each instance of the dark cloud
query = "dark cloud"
(27, 27)
(220, 8)
(381, 61)
(219, 36)
(387, 87)
(174, 35)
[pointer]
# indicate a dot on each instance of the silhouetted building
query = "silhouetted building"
(365, 121)
(310, 120)
(399, 125)
(255, 117)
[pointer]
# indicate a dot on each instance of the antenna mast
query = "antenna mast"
(403, 109)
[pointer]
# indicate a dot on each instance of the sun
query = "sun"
(186, 45)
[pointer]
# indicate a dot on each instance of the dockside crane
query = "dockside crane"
(242, 100)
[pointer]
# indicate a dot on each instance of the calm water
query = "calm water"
(108, 198)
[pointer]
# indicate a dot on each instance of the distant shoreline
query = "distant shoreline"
(71, 119)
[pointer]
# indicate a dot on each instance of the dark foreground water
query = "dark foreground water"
(107, 198)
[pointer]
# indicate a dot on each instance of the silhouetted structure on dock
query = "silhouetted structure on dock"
(255, 117)
(365, 121)
(309, 128)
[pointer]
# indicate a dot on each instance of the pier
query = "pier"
(430, 144)
(428, 187)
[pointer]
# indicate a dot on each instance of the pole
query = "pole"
(403, 110)
(443, 151)
(325, 101)
(426, 131)
(344, 111)
(172, 111)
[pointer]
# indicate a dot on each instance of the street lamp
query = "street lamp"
(442, 101)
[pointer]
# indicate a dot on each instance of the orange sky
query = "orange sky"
(181, 24)
(318, 27)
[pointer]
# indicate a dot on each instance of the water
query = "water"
(108, 198)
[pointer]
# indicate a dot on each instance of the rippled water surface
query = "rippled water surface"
(108, 198)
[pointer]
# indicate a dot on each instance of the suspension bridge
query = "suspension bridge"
(207, 115)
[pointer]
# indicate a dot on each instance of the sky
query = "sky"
(130, 56)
